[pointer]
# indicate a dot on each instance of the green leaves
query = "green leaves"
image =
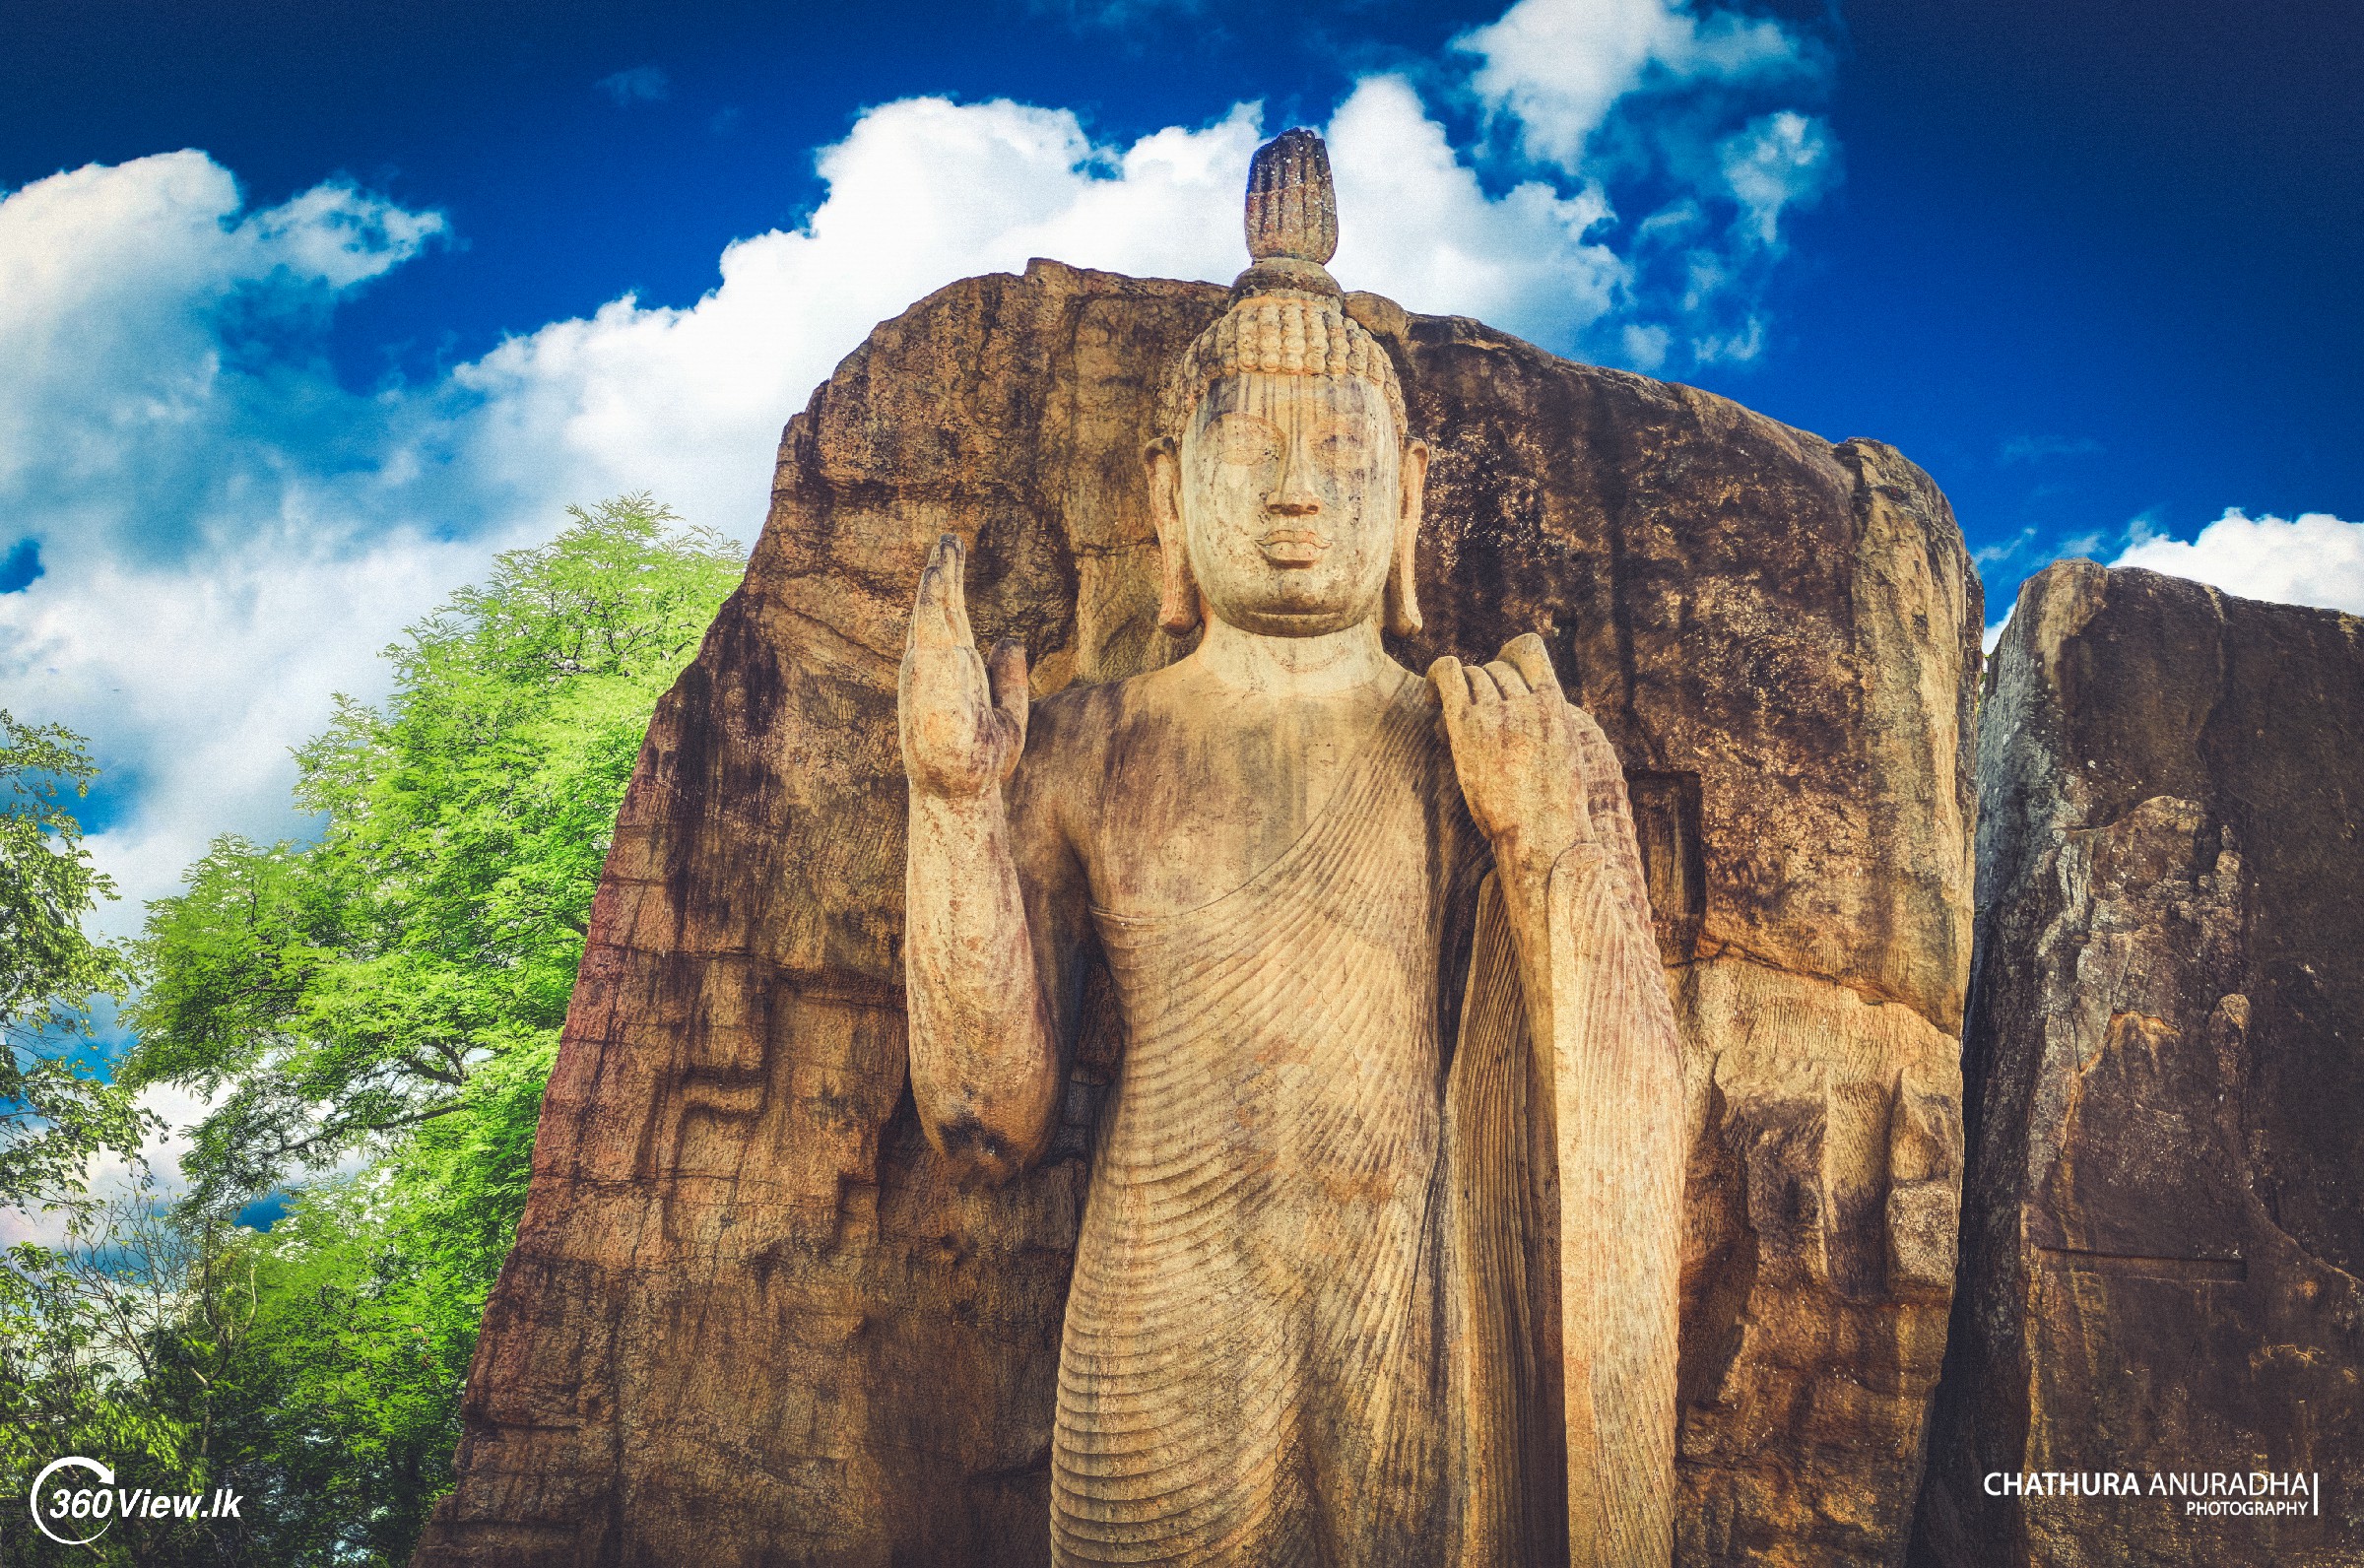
(372, 1016)
(47, 967)
(345, 992)
(55, 1112)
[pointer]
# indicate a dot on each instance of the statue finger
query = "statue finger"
(1507, 680)
(1006, 677)
(1592, 742)
(1452, 689)
(1533, 661)
(956, 598)
(929, 627)
(1597, 763)
(1482, 689)
(934, 562)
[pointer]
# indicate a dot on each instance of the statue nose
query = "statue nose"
(1290, 497)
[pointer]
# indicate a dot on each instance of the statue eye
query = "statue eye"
(1344, 447)
(1246, 442)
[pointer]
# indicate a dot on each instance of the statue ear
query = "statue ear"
(1178, 593)
(1402, 596)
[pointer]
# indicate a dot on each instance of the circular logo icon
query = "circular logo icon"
(76, 1509)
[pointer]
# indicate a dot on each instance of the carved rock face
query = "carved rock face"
(748, 1320)
(1290, 494)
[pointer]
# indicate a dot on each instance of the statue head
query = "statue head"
(1285, 487)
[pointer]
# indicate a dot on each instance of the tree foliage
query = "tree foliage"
(55, 1111)
(372, 1016)
(338, 992)
(120, 1344)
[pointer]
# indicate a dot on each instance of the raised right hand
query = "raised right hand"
(1520, 749)
(964, 722)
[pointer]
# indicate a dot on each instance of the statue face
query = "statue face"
(1290, 497)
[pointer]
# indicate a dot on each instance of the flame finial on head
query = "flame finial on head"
(1291, 218)
(1286, 314)
(1293, 208)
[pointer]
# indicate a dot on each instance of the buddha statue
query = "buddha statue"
(1378, 1263)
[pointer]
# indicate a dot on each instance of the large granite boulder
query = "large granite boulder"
(748, 1321)
(2165, 1048)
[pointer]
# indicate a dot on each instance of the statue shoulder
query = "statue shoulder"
(1068, 732)
(1076, 735)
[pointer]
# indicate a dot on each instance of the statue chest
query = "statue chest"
(1286, 1029)
(1192, 805)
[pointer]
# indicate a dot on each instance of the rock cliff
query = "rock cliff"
(2165, 1048)
(747, 1320)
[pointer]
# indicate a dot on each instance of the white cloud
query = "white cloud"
(2039, 448)
(109, 1176)
(1743, 342)
(1692, 117)
(643, 84)
(1645, 346)
(689, 402)
(229, 532)
(1114, 16)
(1996, 554)
(1415, 226)
(115, 283)
(230, 535)
(226, 534)
(196, 681)
(1557, 67)
(1780, 161)
(2313, 558)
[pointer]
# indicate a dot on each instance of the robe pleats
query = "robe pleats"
(1316, 1317)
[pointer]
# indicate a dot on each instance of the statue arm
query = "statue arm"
(1543, 785)
(1604, 1033)
(992, 908)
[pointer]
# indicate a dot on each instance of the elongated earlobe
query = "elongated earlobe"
(1402, 594)
(1178, 590)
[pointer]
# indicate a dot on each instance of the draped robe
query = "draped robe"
(1343, 1296)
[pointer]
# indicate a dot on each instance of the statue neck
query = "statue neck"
(1317, 666)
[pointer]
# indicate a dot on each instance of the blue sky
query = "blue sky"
(2128, 246)
(305, 308)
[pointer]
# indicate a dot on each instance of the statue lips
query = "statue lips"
(1293, 546)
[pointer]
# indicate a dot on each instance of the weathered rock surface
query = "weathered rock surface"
(748, 1321)
(2165, 1218)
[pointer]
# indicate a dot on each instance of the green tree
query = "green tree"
(340, 992)
(55, 1109)
(70, 1367)
(389, 993)
(123, 1343)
